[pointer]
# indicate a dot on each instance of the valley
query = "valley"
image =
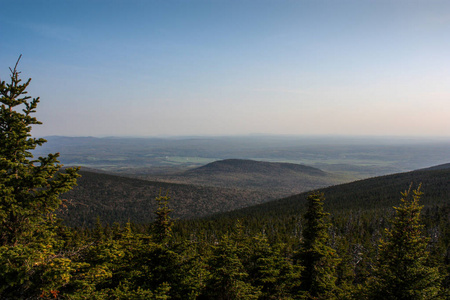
(241, 188)
(216, 187)
(204, 176)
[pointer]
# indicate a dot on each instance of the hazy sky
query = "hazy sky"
(215, 67)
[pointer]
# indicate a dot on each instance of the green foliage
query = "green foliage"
(124, 292)
(29, 189)
(319, 260)
(270, 271)
(402, 270)
(163, 225)
(228, 279)
(128, 263)
(30, 263)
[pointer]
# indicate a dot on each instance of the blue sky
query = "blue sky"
(211, 67)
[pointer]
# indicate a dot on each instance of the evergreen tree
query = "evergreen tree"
(318, 260)
(166, 263)
(162, 227)
(402, 271)
(229, 279)
(29, 195)
(270, 271)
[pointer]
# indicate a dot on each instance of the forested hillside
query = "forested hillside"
(216, 187)
(368, 201)
(121, 199)
(368, 194)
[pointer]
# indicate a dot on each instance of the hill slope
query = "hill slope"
(438, 167)
(284, 179)
(119, 199)
(370, 194)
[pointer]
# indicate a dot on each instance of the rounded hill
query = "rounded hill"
(246, 166)
(283, 178)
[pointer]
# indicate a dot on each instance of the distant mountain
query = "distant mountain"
(235, 166)
(281, 178)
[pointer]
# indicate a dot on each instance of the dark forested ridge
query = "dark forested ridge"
(216, 187)
(368, 194)
(364, 201)
(439, 167)
(121, 199)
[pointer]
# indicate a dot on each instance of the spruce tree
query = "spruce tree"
(402, 270)
(269, 270)
(228, 279)
(318, 260)
(162, 227)
(29, 195)
(175, 265)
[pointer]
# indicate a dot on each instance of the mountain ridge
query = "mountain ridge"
(120, 199)
(366, 194)
(116, 198)
(438, 167)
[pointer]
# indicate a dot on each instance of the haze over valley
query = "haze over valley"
(208, 175)
(350, 157)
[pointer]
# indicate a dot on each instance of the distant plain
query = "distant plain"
(350, 157)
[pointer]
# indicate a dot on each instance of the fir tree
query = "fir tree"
(318, 260)
(270, 271)
(176, 265)
(162, 227)
(402, 270)
(228, 279)
(29, 195)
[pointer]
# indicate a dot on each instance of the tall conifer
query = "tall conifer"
(402, 270)
(228, 279)
(162, 226)
(29, 195)
(318, 260)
